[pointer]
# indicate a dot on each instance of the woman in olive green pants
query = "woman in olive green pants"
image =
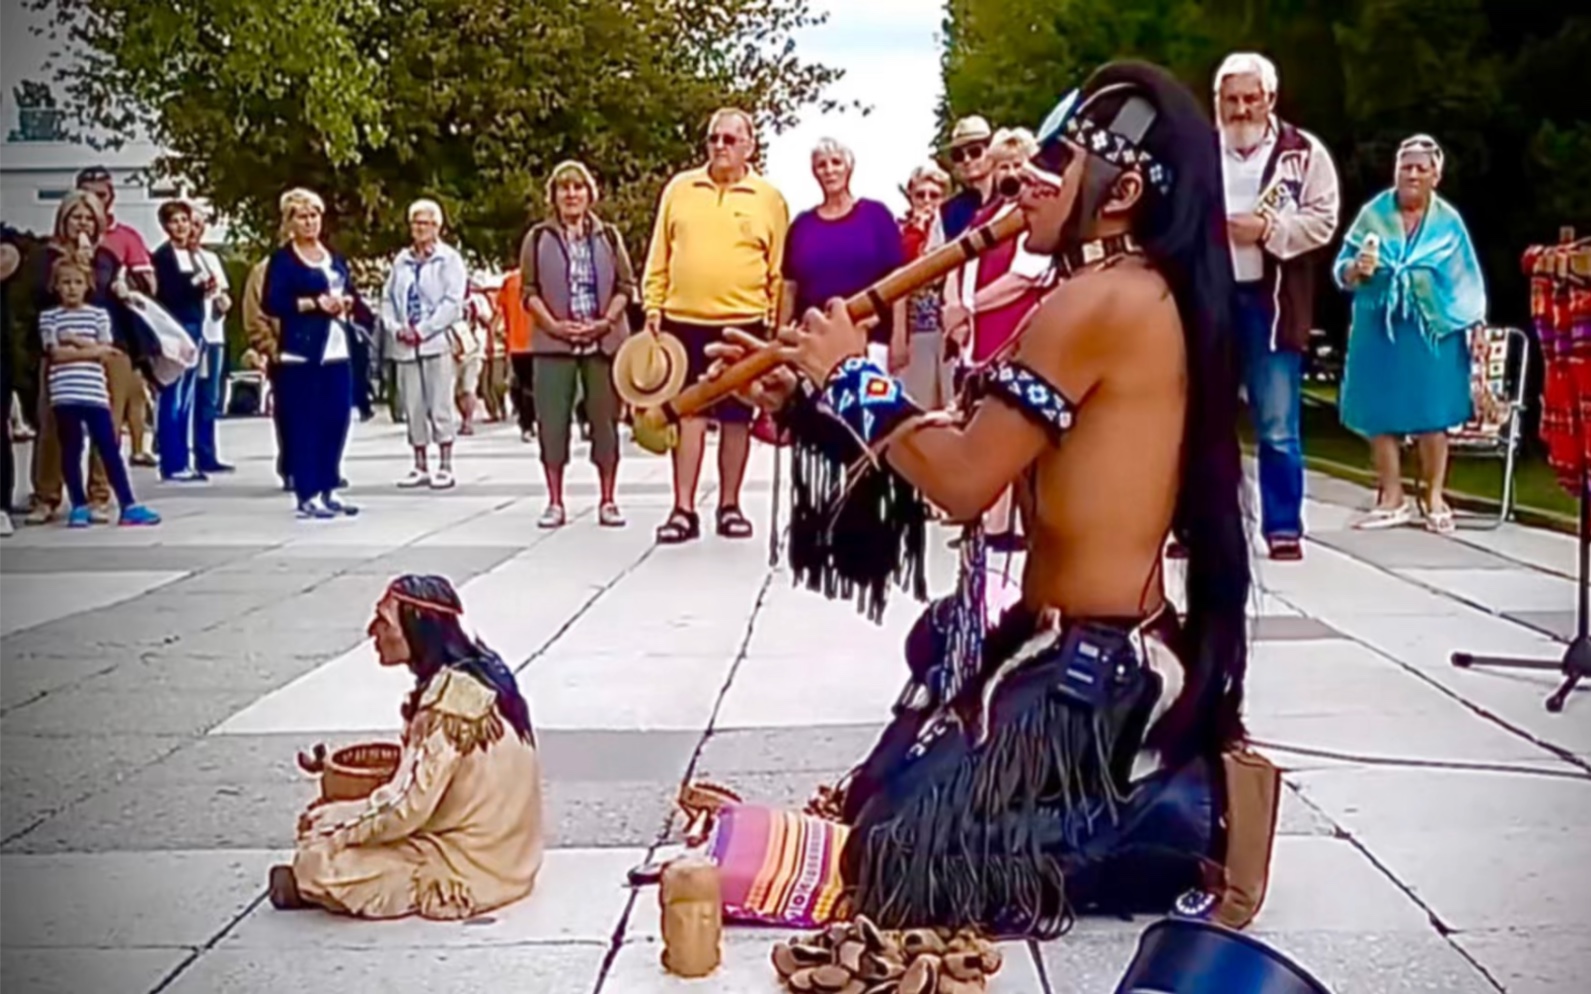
(577, 280)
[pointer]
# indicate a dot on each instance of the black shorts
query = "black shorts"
(696, 338)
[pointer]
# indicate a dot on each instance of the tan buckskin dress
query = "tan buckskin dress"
(457, 832)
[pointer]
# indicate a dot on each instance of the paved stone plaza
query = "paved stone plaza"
(156, 685)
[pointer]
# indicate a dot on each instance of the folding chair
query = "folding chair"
(1499, 371)
(249, 377)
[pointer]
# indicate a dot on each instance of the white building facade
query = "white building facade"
(36, 175)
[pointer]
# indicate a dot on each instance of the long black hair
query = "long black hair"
(1184, 234)
(437, 641)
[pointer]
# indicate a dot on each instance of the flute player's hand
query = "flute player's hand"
(772, 391)
(823, 340)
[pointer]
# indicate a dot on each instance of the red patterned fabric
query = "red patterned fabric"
(1560, 312)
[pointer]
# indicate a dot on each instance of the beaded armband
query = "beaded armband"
(1031, 394)
(869, 401)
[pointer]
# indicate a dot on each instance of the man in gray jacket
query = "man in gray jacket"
(423, 299)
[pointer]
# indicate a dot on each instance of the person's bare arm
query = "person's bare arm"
(74, 349)
(963, 469)
(145, 277)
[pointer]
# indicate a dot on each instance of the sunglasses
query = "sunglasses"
(968, 153)
(728, 141)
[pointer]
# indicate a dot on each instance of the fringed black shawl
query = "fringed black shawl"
(855, 525)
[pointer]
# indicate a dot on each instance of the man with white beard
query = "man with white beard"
(1281, 205)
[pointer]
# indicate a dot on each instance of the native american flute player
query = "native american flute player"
(1077, 754)
(457, 831)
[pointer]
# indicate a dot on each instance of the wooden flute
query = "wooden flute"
(872, 301)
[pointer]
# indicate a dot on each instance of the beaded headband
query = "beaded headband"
(1119, 151)
(421, 603)
(1107, 143)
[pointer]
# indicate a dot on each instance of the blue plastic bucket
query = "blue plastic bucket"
(1183, 956)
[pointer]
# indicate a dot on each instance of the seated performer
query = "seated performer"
(1073, 757)
(457, 831)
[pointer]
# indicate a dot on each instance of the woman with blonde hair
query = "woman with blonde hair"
(577, 279)
(309, 290)
(842, 246)
(78, 237)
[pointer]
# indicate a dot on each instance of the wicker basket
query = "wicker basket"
(351, 773)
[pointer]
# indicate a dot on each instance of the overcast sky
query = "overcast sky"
(890, 53)
(888, 49)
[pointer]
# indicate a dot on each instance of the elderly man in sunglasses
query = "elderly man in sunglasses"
(974, 169)
(714, 265)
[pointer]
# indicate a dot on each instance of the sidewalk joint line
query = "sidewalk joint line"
(198, 954)
(1443, 929)
(1558, 752)
(581, 611)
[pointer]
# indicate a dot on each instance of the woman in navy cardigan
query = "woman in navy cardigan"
(308, 289)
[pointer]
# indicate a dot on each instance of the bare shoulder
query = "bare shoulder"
(1126, 306)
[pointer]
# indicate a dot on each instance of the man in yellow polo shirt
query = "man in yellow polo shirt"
(717, 250)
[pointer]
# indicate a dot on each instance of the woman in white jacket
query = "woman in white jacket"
(423, 298)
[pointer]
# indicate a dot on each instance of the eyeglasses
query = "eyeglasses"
(968, 153)
(728, 141)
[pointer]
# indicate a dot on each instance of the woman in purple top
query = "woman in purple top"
(840, 247)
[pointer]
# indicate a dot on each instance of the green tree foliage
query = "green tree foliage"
(1012, 59)
(373, 103)
(1500, 83)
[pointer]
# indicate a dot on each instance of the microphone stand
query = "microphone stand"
(1576, 662)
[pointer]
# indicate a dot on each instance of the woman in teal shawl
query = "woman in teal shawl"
(1417, 291)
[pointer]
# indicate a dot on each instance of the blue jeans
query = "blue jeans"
(207, 407)
(1273, 380)
(174, 420)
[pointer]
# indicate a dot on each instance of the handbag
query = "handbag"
(175, 350)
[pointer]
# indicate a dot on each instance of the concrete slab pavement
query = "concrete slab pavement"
(155, 686)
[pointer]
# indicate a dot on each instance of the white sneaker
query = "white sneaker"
(7, 529)
(416, 478)
(443, 480)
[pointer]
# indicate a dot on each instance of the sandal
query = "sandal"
(1385, 517)
(553, 517)
(609, 515)
(732, 523)
(681, 526)
(1441, 522)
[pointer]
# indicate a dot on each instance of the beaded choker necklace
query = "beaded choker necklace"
(1093, 253)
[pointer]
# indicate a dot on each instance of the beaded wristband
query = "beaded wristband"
(867, 400)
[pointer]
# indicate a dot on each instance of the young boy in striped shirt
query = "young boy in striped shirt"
(77, 337)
